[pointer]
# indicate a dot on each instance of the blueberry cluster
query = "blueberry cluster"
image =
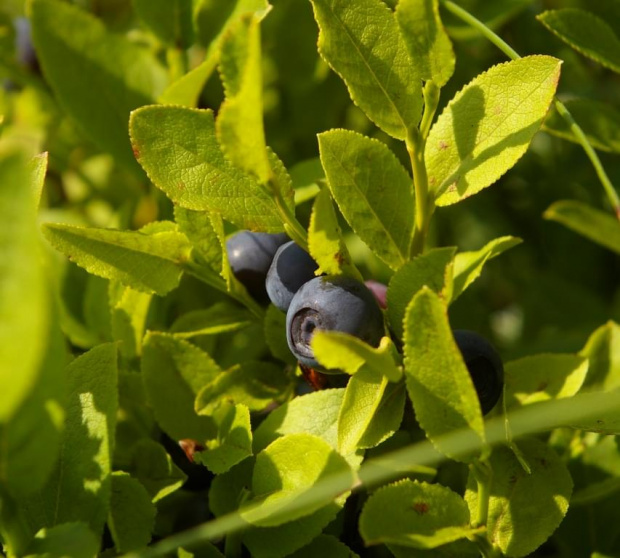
(274, 268)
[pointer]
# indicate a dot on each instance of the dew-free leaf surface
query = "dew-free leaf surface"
(428, 43)
(488, 126)
(170, 20)
(598, 226)
(116, 75)
(132, 514)
(179, 151)
(585, 32)
(146, 262)
(524, 509)
(443, 401)
(372, 190)
(69, 539)
(363, 45)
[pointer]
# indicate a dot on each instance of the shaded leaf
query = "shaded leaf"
(129, 315)
(325, 545)
(603, 352)
(275, 335)
(468, 265)
(363, 45)
(116, 75)
(233, 442)
(222, 317)
(428, 43)
(444, 401)
(255, 384)
(178, 149)
(280, 478)
(524, 509)
(432, 269)
(372, 190)
(542, 377)
(174, 371)
(132, 514)
(598, 226)
(415, 514)
(170, 20)
(488, 125)
(154, 468)
(146, 262)
(586, 33)
(69, 539)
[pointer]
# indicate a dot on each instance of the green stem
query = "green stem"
(610, 191)
(483, 474)
(424, 204)
(291, 225)
(486, 548)
(484, 30)
(612, 195)
(431, 101)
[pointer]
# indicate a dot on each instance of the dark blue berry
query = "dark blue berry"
(484, 365)
(331, 303)
(250, 255)
(291, 267)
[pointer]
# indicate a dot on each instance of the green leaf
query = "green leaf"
(24, 310)
(222, 317)
(79, 488)
(325, 241)
(178, 149)
(69, 539)
(341, 351)
(432, 269)
(145, 262)
(154, 468)
(541, 377)
(468, 265)
(115, 74)
(132, 514)
(255, 384)
(205, 230)
(325, 545)
(186, 90)
(586, 33)
(524, 509)
(38, 168)
(174, 371)
(372, 190)
(600, 123)
(428, 43)
(240, 118)
(280, 478)
(35, 429)
(314, 413)
(603, 352)
(603, 422)
(170, 20)
(369, 399)
(275, 335)
(280, 541)
(129, 315)
(306, 176)
(415, 514)
(444, 401)
(230, 489)
(598, 226)
(204, 549)
(488, 125)
(233, 442)
(363, 45)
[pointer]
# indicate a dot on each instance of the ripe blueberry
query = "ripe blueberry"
(484, 365)
(250, 255)
(291, 267)
(331, 303)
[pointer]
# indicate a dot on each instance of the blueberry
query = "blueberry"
(331, 303)
(484, 365)
(250, 255)
(291, 267)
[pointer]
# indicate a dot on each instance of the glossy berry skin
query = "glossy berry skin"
(484, 365)
(291, 267)
(331, 303)
(250, 255)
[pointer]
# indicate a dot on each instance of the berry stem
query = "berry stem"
(472, 21)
